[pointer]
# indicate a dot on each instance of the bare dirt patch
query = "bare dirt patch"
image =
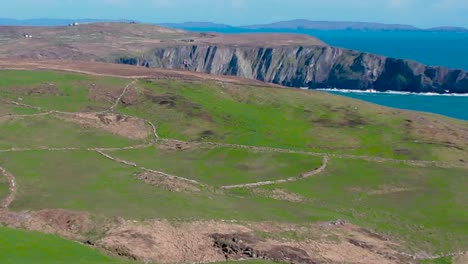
(131, 97)
(125, 126)
(432, 130)
(210, 241)
(243, 245)
(102, 93)
(168, 243)
(350, 246)
(65, 223)
(170, 184)
(348, 117)
(461, 259)
(180, 103)
(279, 194)
(386, 189)
(174, 145)
(383, 189)
(43, 89)
(166, 99)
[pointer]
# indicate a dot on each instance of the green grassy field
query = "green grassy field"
(86, 181)
(279, 118)
(6, 110)
(423, 207)
(56, 91)
(427, 207)
(19, 246)
(222, 166)
(50, 131)
(447, 260)
(240, 114)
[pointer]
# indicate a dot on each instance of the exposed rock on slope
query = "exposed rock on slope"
(312, 66)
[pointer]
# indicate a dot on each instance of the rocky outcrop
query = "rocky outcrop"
(311, 66)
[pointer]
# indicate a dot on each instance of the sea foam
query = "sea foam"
(388, 92)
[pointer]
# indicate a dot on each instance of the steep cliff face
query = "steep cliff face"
(313, 67)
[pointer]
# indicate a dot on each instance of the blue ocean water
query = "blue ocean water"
(452, 106)
(449, 49)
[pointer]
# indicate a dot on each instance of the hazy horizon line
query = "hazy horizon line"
(225, 24)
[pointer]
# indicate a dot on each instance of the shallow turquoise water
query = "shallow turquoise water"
(452, 106)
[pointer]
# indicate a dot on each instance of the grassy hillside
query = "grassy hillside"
(86, 181)
(32, 247)
(402, 174)
(427, 206)
(223, 166)
(50, 131)
(296, 119)
(59, 91)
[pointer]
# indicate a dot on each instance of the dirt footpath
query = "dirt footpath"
(5, 203)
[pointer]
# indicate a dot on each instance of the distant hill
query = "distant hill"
(448, 29)
(187, 25)
(314, 25)
(331, 25)
(48, 21)
(296, 24)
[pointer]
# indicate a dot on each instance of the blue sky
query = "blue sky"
(424, 13)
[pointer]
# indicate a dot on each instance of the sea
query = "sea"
(448, 49)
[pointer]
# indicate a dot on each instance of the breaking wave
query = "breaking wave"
(371, 91)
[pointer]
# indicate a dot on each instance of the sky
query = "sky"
(422, 13)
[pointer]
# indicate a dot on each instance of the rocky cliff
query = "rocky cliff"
(288, 59)
(307, 66)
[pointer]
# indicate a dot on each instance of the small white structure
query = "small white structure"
(74, 24)
(27, 36)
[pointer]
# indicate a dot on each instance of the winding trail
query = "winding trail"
(132, 164)
(26, 116)
(117, 101)
(141, 146)
(12, 188)
(22, 105)
(304, 175)
(418, 163)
